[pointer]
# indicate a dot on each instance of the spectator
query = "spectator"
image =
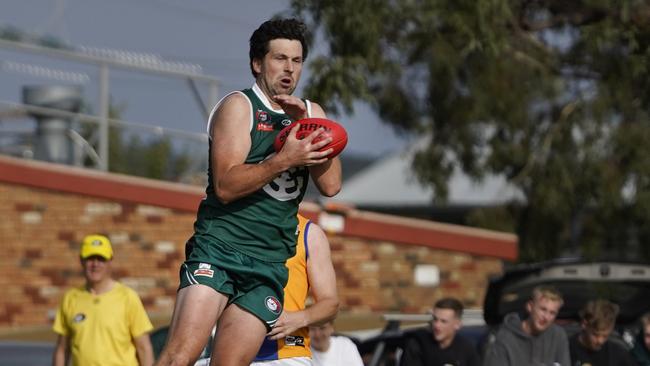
(537, 340)
(591, 346)
(641, 350)
(328, 350)
(102, 322)
(440, 345)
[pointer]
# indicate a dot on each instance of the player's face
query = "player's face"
(280, 69)
(96, 268)
(320, 336)
(542, 313)
(646, 336)
(594, 339)
(445, 324)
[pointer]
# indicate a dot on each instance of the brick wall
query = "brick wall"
(43, 223)
(378, 276)
(41, 232)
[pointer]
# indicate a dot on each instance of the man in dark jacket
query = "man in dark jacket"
(536, 340)
(641, 350)
(592, 345)
(440, 345)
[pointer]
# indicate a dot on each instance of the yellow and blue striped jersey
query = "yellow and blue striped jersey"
(295, 296)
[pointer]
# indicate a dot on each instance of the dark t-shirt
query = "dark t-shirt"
(422, 349)
(610, 354)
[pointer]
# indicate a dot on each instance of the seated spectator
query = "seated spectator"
(328, 350)
(440, 345)
(591, 346)
(536, 340)
(641, 350)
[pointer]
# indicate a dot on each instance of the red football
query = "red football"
(309, 125)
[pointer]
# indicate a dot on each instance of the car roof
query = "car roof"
(624, 283)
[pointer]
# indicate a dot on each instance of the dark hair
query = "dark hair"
(599, 314)
(293, 29)
(450, 303)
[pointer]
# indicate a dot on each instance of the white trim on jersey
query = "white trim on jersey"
(260, 94)
(263, 98)
(216, 106)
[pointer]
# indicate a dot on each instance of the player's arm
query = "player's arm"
(61, 353)
(144, 350)
(322, 280)
(230, 132)
(326, 176)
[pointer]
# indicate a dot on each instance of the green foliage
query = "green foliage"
(554, 95)
(151, 157)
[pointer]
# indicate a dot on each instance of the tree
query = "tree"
(151, 157)
(552, 94)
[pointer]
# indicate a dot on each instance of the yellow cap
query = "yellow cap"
(96, 245)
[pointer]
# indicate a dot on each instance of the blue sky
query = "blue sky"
(211, 34)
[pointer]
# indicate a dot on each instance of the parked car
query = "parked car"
(624, 283)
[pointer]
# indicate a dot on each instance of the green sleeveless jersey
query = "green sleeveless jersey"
(263, 224)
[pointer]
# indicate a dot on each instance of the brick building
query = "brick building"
(383, 263)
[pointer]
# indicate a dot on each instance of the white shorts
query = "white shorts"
(294, 361)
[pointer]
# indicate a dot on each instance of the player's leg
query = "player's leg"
(203, 294)
(254, 309)
(238, 339)
(195, 313)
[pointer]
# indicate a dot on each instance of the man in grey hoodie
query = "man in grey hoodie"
(536, 340)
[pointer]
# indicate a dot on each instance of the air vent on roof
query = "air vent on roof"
(605, 270)
(571, 271)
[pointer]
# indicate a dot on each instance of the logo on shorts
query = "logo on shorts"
(273, 304)
(294, 341)
(79, 318)
(204, 270)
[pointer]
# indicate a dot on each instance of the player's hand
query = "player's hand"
(288, 322)
(291, 105)
(305, 152)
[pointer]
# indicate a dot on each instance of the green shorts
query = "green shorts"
(254, 285)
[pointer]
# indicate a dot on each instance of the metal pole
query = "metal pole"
(104, 102)
(197, 96)
(213, 94)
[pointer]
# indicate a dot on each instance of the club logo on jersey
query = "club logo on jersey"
(204, 270)
(79, 318)
(286, 186)
(286, 122)
(273, 304)
(261, 116)
(294, 341)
